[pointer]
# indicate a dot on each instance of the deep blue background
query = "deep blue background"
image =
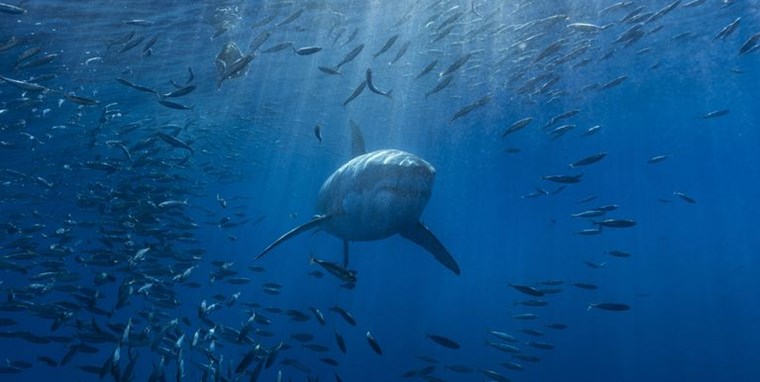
(691, 281)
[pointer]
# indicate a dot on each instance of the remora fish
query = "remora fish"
(231, 63)
(343, 274)
(374, 196)
(236, 68)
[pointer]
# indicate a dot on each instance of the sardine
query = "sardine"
(350, 56)
(440, 86)
(563, 178)
(141, 88)
(291, 18)
(174, 105)
(307, 50)
(388, 45)
(428, 69)
(443, 341)
(728, 29)
(469, 108)
(456, 65)
(716, 114)
(519, 125)
(23, 85)
(373, 343)
(588, 160)
(180, 92)
(611, 306)
(359, 89)
(401, 52)
(278, 47)
(616, 223)
(375, 89)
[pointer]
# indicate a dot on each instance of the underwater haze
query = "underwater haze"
(574, 199)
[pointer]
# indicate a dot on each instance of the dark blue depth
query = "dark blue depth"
(150, 150)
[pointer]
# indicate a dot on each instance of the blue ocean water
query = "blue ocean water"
(130, 227)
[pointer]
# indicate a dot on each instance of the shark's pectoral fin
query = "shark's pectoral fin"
(421, 235)
(315, 222)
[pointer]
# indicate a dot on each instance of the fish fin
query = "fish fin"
(357, 140)
(422, 236)
(345, 254)
(313, 223)
(388, 93)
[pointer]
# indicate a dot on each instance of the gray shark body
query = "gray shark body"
(374, 196)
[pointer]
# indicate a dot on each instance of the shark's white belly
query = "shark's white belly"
(376, 195)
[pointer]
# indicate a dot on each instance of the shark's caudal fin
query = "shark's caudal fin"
(357, 140)
(421, 235)
(315, 222)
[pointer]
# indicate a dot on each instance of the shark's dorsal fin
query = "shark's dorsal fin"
(421, 235)
(315, 222)
(357, 140)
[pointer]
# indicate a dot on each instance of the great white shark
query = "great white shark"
(373, 196)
